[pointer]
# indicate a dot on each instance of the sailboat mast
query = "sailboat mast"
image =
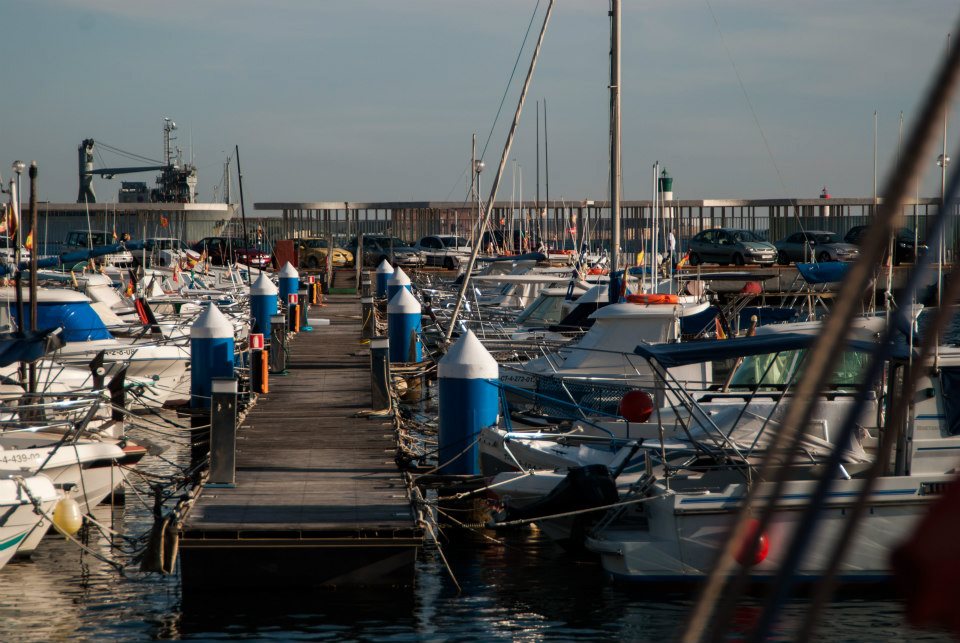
(615, 133)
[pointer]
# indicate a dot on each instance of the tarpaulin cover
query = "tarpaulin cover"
(28, 346)
(78, 320)
(824, 272)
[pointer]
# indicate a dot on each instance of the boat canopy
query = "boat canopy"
(74, 314)
(681, 354)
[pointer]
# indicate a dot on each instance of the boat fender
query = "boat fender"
(748, 556)
(636, 406)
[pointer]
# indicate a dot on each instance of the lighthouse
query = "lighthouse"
(824, 209)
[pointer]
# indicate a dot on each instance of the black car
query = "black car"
(903, 243)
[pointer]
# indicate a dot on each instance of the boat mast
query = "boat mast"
(615, 133)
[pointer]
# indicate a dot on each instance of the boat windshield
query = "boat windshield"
(546, 310)
(783, 370)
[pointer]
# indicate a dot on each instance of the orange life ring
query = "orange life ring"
(653, 298)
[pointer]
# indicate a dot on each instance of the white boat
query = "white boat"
(675, 534)
(18, 518)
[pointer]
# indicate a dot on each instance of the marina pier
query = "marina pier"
(318, 499)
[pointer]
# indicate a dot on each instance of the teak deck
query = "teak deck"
(318, 498)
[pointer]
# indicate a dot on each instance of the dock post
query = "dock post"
(259, 367)
(365, 288)
(404, 326)
(211, 353)
(396, 282)
(289, 280)
(263, 304)
(366, 317)
(278, 344)
(380, 373)
(384, 272)
(303, 301)
(469, 402)
(293, 313)
(223, 432)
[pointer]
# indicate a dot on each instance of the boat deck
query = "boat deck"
(318, 496)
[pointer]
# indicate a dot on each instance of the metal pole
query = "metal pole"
(874, 161)
(496, 180)
(33, 266)
(546, 171)
(243, 214)
(615, 133)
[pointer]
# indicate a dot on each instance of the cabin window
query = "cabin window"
(786, 368)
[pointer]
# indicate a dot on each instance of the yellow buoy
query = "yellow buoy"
(67, 516)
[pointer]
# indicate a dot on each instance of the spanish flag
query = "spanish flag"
(28, 244)
(683, 261)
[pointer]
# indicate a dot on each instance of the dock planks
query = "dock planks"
(318, 498)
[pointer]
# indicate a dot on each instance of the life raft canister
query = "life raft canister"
(652, 298)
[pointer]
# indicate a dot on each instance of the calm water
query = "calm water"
(525, 589)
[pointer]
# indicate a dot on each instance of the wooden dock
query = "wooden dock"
(318, 500)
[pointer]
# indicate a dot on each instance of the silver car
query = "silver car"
(726, 246)
(819, 245)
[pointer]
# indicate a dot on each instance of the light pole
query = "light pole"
(18, 167)
(478, 166)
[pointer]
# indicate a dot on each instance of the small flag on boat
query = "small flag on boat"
(28, 244)
(114, 233)
(9, 221)
(719, 328)
(164, 222)
(130, 288)
(640, 258)
(683, 261)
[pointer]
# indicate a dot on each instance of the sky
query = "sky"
(376, 100)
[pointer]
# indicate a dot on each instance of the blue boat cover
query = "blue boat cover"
(79, 321)
(824, 272)
(680, 354)
(28, 346)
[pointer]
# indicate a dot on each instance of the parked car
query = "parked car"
(313, 253)
(444, 250)
(726, 246)
(376, 248)
(227, 250)
(83, 240)
(903, 246)
(815, 244)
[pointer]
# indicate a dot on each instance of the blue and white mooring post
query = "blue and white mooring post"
(469, 403)
(263, 304)
(384, 272)
(211, 354)
(289, 282)
(396, 282)
(403, 327)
